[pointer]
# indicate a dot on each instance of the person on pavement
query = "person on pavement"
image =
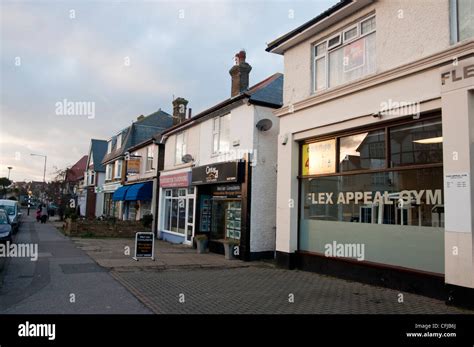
(44, 214)
(38, 213)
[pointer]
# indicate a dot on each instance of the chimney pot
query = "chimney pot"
(240, 74)
(179, 110)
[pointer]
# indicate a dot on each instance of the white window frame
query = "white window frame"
(339, 42)
(179, 161)
(118, 164)
(369, 32)
(118, 142)
(218, 133)
(358, 29)
(109, 146)
(149, 150)
(108, 172)
(339, 45)
(183, 193)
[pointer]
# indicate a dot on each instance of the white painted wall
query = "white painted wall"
(264, 179)
(241, 129)
(192, 136)
(407, 30)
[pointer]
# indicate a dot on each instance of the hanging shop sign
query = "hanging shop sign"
(319, 158)
(144, 245)
(217, 173)
(175, 180)
(133, 165)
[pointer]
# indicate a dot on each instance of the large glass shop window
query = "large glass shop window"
(408, 197)
(397, 215)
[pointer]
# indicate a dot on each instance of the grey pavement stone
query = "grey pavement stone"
(43, 287)
(261, 290)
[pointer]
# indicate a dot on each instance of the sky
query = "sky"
(124, 59)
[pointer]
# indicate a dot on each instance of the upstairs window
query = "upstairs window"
(462, 20)
(109, 146)
(119, 141)
(180, 149)
(346, 56)
(221, 134)
(108, 172)
(118, 169)
(149, 158)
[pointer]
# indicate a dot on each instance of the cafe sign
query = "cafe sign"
(216, 173)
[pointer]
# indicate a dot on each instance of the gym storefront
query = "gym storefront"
(375, 196)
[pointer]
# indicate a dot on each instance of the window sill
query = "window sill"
(172, 233)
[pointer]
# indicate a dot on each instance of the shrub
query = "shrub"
(147, 220)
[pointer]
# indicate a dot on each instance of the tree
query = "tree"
(5, 182)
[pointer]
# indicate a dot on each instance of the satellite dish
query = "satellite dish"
(187, 158)
(264, 124)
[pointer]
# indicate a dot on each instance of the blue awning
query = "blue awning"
(140, 191)
(119, 194)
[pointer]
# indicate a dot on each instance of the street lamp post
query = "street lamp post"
(44, 171)
(9, 169)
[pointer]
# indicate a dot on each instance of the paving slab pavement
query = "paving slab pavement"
(117, 253)
(45, 286)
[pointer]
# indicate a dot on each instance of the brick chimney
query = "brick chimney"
(240, 74)
(179, 110)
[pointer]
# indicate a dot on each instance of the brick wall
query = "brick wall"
(102, 228)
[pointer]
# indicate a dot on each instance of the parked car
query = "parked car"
(5, 228)
(12, 209)
(52, 209)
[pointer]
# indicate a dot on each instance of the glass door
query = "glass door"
(190, 210)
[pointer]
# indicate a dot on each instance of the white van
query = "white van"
(12, 209)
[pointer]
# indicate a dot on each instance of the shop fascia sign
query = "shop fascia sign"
(432, 197)
(175, 180)
(457, 75)
(216, 173)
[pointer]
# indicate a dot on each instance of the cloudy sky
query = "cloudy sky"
(127, 58)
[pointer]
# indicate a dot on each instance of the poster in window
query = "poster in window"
(319, 158)
(354, 55)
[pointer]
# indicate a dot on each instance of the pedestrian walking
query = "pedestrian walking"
(44, 214)
(38, 213)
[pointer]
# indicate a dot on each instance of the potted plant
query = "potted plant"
(229, 248)
(201, 243)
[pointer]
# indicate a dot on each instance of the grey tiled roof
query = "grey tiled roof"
(140, 131)
(269, 91)
(98, 149)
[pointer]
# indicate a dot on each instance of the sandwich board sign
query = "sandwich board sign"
(144, 245)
